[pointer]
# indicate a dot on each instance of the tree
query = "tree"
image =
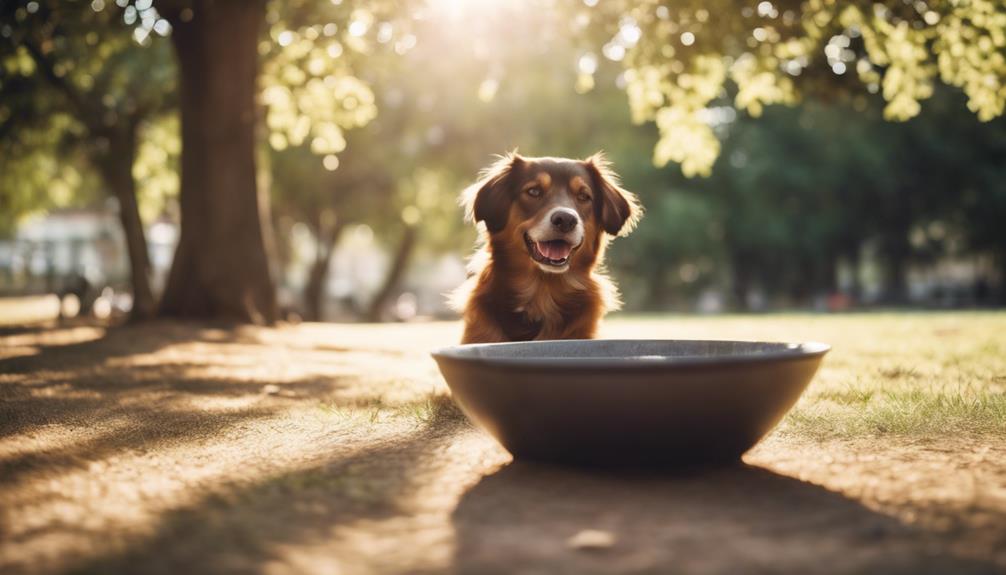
(323, 176)
(327, 201)
(799, 190)
(74, 77)
(681, 57)
(222, 265)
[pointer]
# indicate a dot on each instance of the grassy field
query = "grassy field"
(335, 448)
(906, 374)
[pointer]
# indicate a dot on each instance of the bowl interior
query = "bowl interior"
(625, 352)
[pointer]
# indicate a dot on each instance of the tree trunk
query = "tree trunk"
(221, 268)
(999, 298)
(896, 257)
(314, 291)
(116, 167)
(741, 282)
(656, 287)
(829, 274)
(395, 273)
(855, 264)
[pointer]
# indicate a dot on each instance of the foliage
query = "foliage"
(311, 80)
(380, 112)
(682, 58)
(801, 189)
(36, 174)
(72, 75)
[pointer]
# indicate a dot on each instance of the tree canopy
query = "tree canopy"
(681, 58)
(72, 75)
(335, 107)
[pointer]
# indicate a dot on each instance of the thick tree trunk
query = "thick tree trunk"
(116, 168)
(221, 268)
(395, 273)
(314, 291)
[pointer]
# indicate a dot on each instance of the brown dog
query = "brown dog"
(538, 275)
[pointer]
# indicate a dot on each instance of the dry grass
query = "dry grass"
(912, 375)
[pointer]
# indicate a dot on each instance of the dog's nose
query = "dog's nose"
(564, 220)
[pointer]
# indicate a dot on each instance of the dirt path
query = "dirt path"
(330, 449)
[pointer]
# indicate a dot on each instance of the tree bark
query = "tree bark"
(314, 291)
(395, 273)
(116, 167)
(221, 268)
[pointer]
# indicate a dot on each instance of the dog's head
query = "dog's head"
(555, 210)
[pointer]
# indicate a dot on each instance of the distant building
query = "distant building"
(51, 251)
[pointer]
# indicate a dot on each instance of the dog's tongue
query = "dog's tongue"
(555, 249)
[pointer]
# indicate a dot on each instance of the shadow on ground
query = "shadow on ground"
(740, 519)
(409, 490)
(94, 385)
(349, 514)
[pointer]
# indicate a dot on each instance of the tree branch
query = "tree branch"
(85, 112)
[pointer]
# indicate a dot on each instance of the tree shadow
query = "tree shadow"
(739, 519)
(245, 527)
(94, 385)
(118, 341)
(145, 428)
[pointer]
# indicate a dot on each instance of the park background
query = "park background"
(189, 178)
(779, 168)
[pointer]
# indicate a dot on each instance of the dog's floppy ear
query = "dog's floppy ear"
(488, 200)
(620, 209)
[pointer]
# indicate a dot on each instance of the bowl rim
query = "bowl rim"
(791, 351)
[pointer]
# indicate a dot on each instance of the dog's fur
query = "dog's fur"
(512, 295)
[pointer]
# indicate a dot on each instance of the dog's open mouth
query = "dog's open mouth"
(550, 252)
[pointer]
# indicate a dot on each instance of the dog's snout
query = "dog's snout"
(564, 220)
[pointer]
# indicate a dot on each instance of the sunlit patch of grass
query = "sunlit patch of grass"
(912, 411)
(848, 395)
(358, 411)
(435, 409)
(898, 372)
(914, 375)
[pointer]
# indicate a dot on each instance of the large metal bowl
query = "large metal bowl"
(629, 402)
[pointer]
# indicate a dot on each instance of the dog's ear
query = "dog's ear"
(488, 200)
(619, 209)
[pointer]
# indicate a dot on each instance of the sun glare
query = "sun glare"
(458, 10)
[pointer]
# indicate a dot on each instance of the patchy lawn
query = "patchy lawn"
(333, 449)
(922, 375)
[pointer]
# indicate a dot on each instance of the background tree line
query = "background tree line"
(332, 113)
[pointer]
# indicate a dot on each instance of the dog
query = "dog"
(538, 274)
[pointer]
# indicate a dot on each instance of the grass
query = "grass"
(434, 409)
(912, 412)
(915, 375)
(941, 380)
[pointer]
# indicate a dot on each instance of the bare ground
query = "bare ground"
(332, 449)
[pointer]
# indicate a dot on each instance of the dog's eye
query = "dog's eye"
(534, 192)
(583, 197)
